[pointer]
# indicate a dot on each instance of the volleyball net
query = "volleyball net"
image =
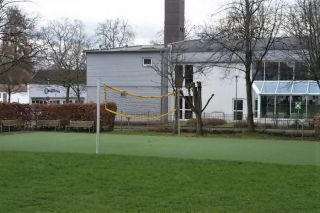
(135, 106)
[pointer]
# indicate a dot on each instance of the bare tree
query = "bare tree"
(246, 33)
(304, 25)
(64, 42)
(172, 73)
(190, 33)
(18, 47)
(195, 103)
(114, 33)
(6, 23)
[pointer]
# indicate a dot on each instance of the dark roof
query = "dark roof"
(58, 77)
(15, 88)
(138, 48)
(199, 45)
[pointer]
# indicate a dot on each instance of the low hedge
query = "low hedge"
(317, 125)
(63, 112)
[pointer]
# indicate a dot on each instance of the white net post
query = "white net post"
(178, 104)
(98, 118)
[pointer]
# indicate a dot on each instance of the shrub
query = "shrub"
(207, 122)
(64, 113)
(241, 124)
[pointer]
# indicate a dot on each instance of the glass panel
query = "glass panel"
(238, 104)
(189, 98)
(301, 71)
(260, 72)
(258, 85)
(286, 71)
(238, 116)
(295, 113)
(267, 106)
(314, 88)
(285, 87)
(147, 62)
(272, 71)
(283, 106)
(269, 87)
(188, 74)
(188, 114)
(300, 87)
(313, 106)
(178, 76)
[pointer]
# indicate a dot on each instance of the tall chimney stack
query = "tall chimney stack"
(173, 21)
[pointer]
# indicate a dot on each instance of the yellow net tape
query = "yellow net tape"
(152, 117)
(137, 117)
(135, 95)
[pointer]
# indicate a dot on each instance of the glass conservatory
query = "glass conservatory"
(279, 99)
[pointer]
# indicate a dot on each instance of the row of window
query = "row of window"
(45, 101)
(283, 71)
(284, 106)
(183, 75)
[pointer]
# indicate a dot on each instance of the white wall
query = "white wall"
(223, 85)
(21, 97)
(51, 91)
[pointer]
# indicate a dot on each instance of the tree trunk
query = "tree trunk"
(176, 114)
(9, 95)
(199, 128)
(68, 94)
(78, 94)
(249, 103)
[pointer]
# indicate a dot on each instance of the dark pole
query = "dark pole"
(236, 97)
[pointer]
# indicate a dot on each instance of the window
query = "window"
(188, 75)
(185, 109)
(301, 72)
(5, 97)
(237, 109)
(286, 71)
(271, 71)
(259, 72)
(147, 62)
(178, 76)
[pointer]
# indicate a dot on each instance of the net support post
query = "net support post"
(179, 126)
(98, 118)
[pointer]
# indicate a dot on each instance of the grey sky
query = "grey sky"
(146, 16)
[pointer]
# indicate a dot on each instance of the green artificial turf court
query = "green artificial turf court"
(295, 152)
(59, 172)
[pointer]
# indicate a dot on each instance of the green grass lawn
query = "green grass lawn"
(58, 172)
(215, 148)
(53, 182)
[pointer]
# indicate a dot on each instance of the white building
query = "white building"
(46, 87)
(133, 69)
(19, 94)
(279, 84)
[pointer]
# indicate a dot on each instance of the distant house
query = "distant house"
(19, 94)
(50, 87)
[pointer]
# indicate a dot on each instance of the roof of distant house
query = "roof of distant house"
(138, 48)
(14, 89)
(58, 77)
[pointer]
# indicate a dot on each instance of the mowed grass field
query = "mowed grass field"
(59, 172)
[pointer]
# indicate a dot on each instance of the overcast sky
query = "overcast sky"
(145, 16)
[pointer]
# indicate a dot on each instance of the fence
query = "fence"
(217, 120)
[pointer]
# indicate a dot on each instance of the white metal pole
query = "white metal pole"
(179, 130)
(98, 118)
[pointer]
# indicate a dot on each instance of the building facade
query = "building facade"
(281, 82)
